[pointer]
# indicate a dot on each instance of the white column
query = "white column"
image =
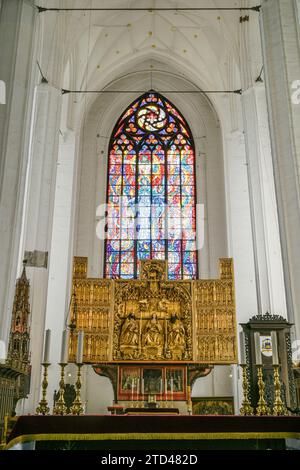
(17, 25)
(204, 261)
(240, 240)
(263, 207)
(58, 297)
(280, 35)
(255, 193)
(39, 217)
(265, 230)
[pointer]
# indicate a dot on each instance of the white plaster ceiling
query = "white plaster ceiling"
(101, 40)
(100, 48)
(98, 40)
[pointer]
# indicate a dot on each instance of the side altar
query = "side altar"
(153, 337)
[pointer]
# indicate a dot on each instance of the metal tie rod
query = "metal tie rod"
(150, 10)
(237, 92)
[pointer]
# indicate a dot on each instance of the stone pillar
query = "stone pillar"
(60, 269)
(17, 26)
(267, 250)
(204, 261)
(263, 207)
(280, 35)
(39, 219)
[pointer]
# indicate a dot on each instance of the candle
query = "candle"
(143, 386)
(137, 388)
(64, 348)
(132, 389)
(79, 358)
(258, 358)
(47, 347)
(242, 348)
(274, 348)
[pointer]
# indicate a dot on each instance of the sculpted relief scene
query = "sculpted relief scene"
(153, 318)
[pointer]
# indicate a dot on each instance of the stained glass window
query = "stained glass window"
(151, 191)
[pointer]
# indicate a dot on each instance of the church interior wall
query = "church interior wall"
(223, 199)
(221, 181)
(98, 394)
(211, 191)
(86, 123)
(217, 384)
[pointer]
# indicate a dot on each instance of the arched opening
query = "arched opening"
(151, 191)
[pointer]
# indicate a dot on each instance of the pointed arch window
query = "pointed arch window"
(151, 191)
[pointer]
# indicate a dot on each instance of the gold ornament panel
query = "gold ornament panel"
(152, 319)
(91, 311)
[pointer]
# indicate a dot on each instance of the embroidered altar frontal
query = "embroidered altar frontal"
(152, 319)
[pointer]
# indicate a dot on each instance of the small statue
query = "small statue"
(153, 333)
(130, 331)
(176, 334)
(176, 337)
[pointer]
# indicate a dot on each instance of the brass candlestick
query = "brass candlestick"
(77, 408)
(262, 408)
(189, 400)
(164, 403)
(246, 409)
(279, 408)
(43, 408)
(60, 406)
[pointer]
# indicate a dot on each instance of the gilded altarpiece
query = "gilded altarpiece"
(215, 318)
(91, 307)
(152, 319)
